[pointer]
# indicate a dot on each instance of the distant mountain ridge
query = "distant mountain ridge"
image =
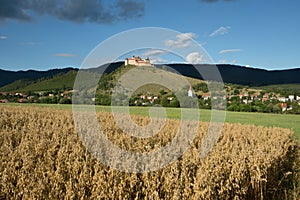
(7, 77)
(11, 80)
(242, 75)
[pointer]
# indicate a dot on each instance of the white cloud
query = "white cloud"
(227, 61)
(154, 55)
(229, 50)
(154, 52)
(234, 61)
(183, 40)
(157, 60)
(194, 58)
(186, 36)
(31, 43)
(223, 61)
(65, 55)
(220, 31)
(3, 37)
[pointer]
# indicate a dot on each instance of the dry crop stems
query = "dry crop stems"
(42, 157)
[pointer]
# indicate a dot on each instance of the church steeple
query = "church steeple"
(190, 92)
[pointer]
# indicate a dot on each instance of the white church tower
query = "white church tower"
(190, 92)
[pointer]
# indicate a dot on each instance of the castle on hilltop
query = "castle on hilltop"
(137, 61)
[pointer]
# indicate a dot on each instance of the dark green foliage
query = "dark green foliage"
(103, 99)
(164, 101)
(162, 92)
(174, 103)
(201, 87)
(236, 91)
(283, 89)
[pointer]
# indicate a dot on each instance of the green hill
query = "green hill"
(16, 85)
(59, 81)
(284, 81)
(8, 77)
(112, 78)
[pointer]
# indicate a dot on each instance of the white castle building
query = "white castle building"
(137, 61)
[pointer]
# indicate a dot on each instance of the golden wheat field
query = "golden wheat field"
(42, 157)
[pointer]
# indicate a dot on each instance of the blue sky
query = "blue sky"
(54, 34)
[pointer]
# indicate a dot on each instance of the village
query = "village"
(257, 102)
(51, 97)
(237, 98)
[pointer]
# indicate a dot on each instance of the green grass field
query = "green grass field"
(261, 119)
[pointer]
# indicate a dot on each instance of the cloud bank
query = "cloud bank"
(79, 11)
